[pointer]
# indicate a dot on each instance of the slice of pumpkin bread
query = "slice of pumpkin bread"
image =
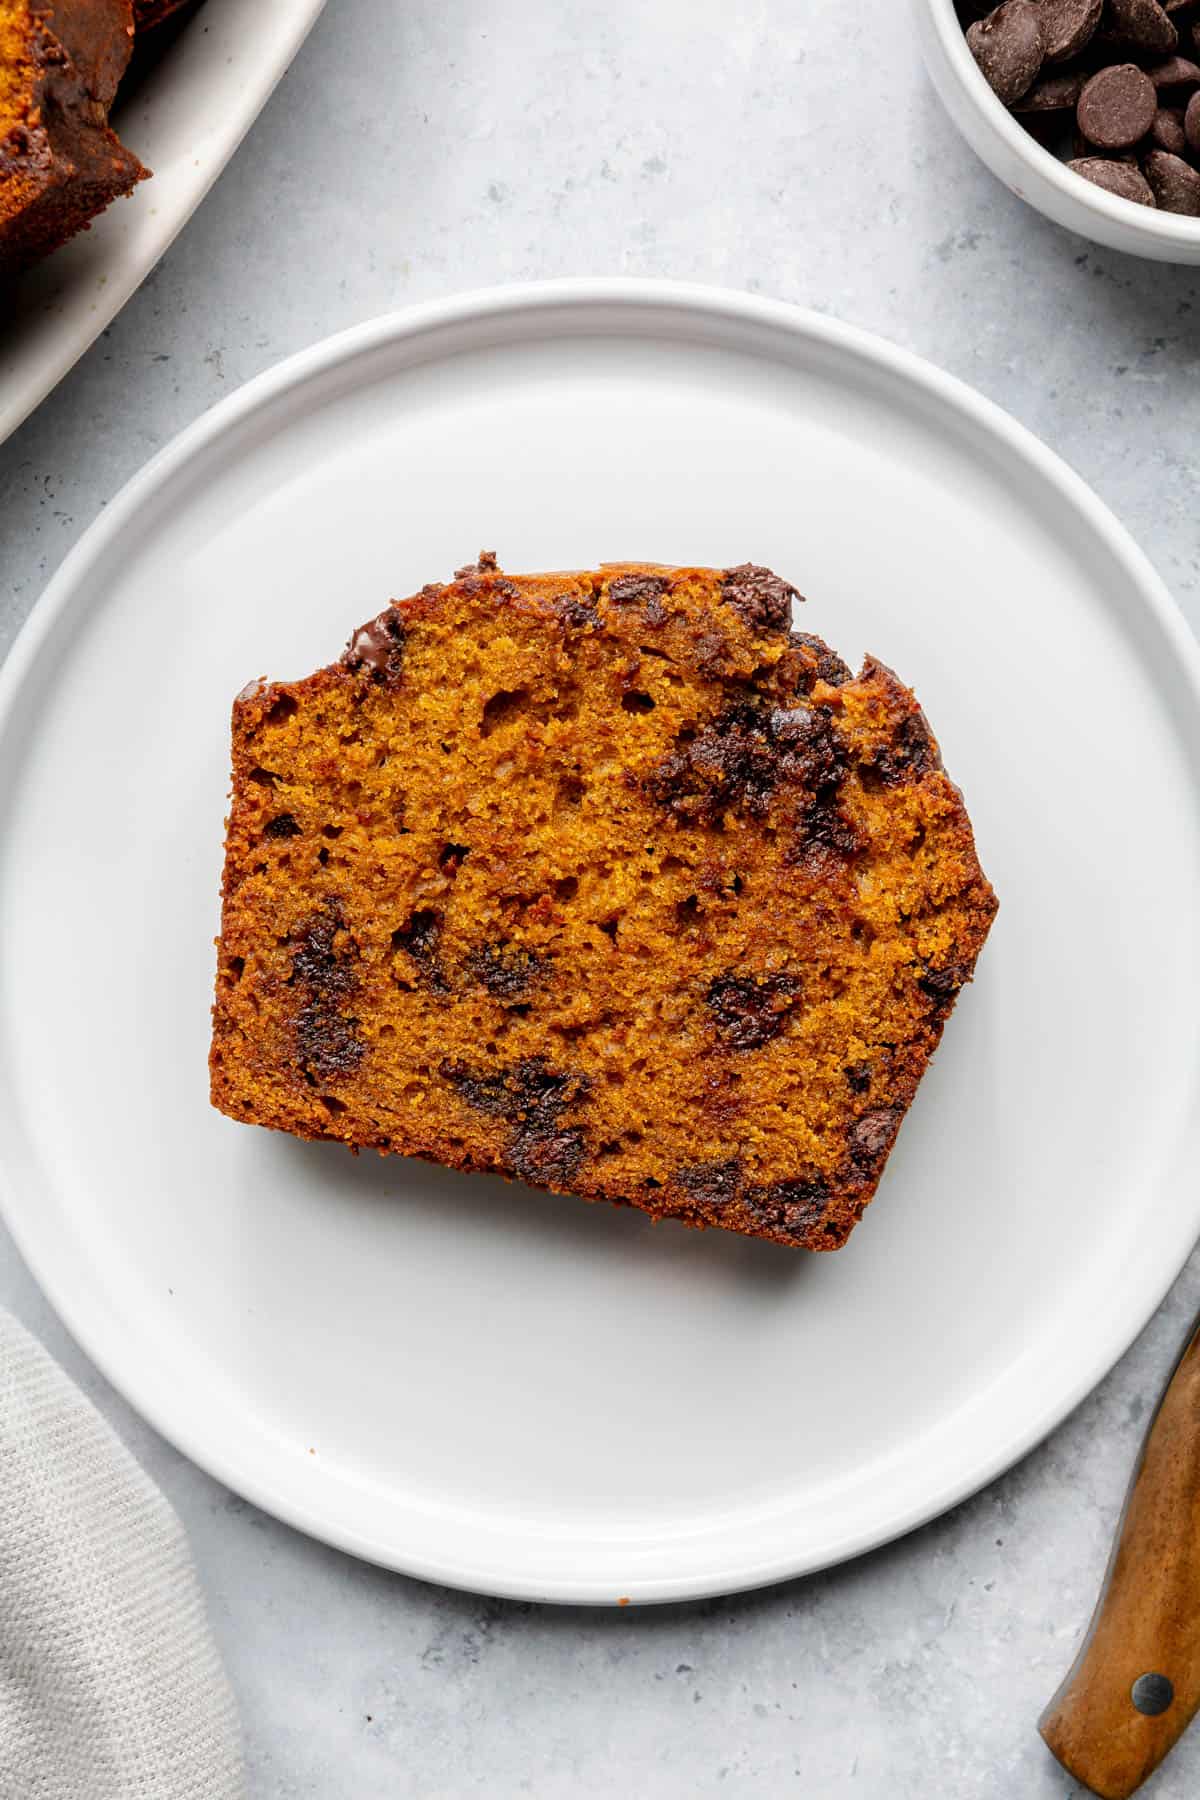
(609, 881)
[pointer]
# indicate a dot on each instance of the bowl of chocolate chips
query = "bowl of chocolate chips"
(1088, 109)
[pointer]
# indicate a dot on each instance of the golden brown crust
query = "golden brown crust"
(60, 163)
(606, 880)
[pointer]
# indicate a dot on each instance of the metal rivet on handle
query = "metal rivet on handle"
(1152, 1694)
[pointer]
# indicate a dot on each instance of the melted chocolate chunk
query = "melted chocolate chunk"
(377, 649)
(759, 597)
(316, 960)
(730, 763)
(749, 1013)
(527, 1090)
(910, 754)
(576, 614)
(872, 1137)
(533, 1097)
(283, 825)
(794, 1206)
(942, 987)
(824, 833)
(858, 1077)
(507, 971)
(712, 654)
(830, 667)
(742, 758)
(547, 1157)
(825, 836)
(639, 590)
(714, 1185)
(810, 750)
(327, 1040)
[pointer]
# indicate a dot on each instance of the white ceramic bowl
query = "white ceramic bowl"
(1023, 165)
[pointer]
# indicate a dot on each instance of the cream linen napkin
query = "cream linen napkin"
(110, 1685)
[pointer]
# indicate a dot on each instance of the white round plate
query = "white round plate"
(502, 1389)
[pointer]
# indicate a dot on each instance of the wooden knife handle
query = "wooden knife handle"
(1135, 1684)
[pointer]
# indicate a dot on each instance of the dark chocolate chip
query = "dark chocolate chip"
(1175, 183)
(377, 649)
(1142, 25)
(1167, 132)
(713, 1185)
(1191, 125)
(858, 1077)
(750, 1012)
(1117, 107)
(1054, 93)
(283, 825)
(1120, 178)
(1174, 72)
(1067, 26)
(507, 971)
(873, 1136)
(759, 597)
(1009, 47)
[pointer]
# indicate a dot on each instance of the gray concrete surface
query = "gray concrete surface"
(794, 149)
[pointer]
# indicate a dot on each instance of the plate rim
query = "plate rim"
(487, 309)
